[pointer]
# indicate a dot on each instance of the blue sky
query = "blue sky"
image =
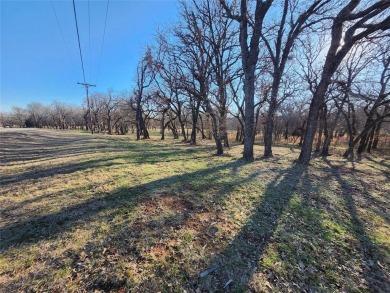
(37, 65)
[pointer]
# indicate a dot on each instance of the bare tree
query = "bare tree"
(377, 106)
(145, 77)
(279, 38)
(19, 116)
(352, 23)
(37, 115)
(109, 107)
(220, 36)
(194, 62)
(167, 78)
(339, 93)
(60, 113)
(249, 36)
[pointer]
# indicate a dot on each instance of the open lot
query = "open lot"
(106, 213)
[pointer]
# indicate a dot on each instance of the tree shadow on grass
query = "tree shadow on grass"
(383, 163)
(20, 147)
(112, 160)
(239, 260)
(55, 148)
(61, 169)
(16, 212)
(153, 240)
(43, 227)
(375, 274)
(123, 237)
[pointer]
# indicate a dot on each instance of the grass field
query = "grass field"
(97, 213)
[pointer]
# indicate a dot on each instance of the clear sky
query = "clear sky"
(37, 65)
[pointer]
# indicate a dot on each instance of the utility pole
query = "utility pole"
(87, 85)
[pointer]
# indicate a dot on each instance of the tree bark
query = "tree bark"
(269, 125)
(249, 58)
(195, 114)
(223, 127)
(249, 92)
(320, 130)
(376, 137)
(216, 133)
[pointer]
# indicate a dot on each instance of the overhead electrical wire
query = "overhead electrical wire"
(62, 34)
(104, 34)
(63, 39)
(89, 41)
(78, 38)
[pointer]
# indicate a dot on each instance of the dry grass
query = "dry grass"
(99, 213)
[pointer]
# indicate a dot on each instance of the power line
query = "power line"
(104, 34)
(62, 35)
(89, 41)
(78, 37)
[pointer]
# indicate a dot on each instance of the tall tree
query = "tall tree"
(109, 108)
(249, 36)
(220, 36)
(352, 23)
(144, 78)
(194, 65)
(169, 73)
(195, 52)
(279, 39)
(377, 99)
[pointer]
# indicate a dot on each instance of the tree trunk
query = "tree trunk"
(195, 114)
(173, 128)
(249, 92)
(163, 125)
(376, 137)
(285, 134)
(238, 133)
(269, 123)
(363, 134)
(370, 139)
(138, 124)
(223, 128)
(369, 125)
(328, 133)
(310, 130)
(269, 126)
(209, 127)
(320, 130)
(182, 127)
(215, 127)
(202, 127)
(109, 125)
